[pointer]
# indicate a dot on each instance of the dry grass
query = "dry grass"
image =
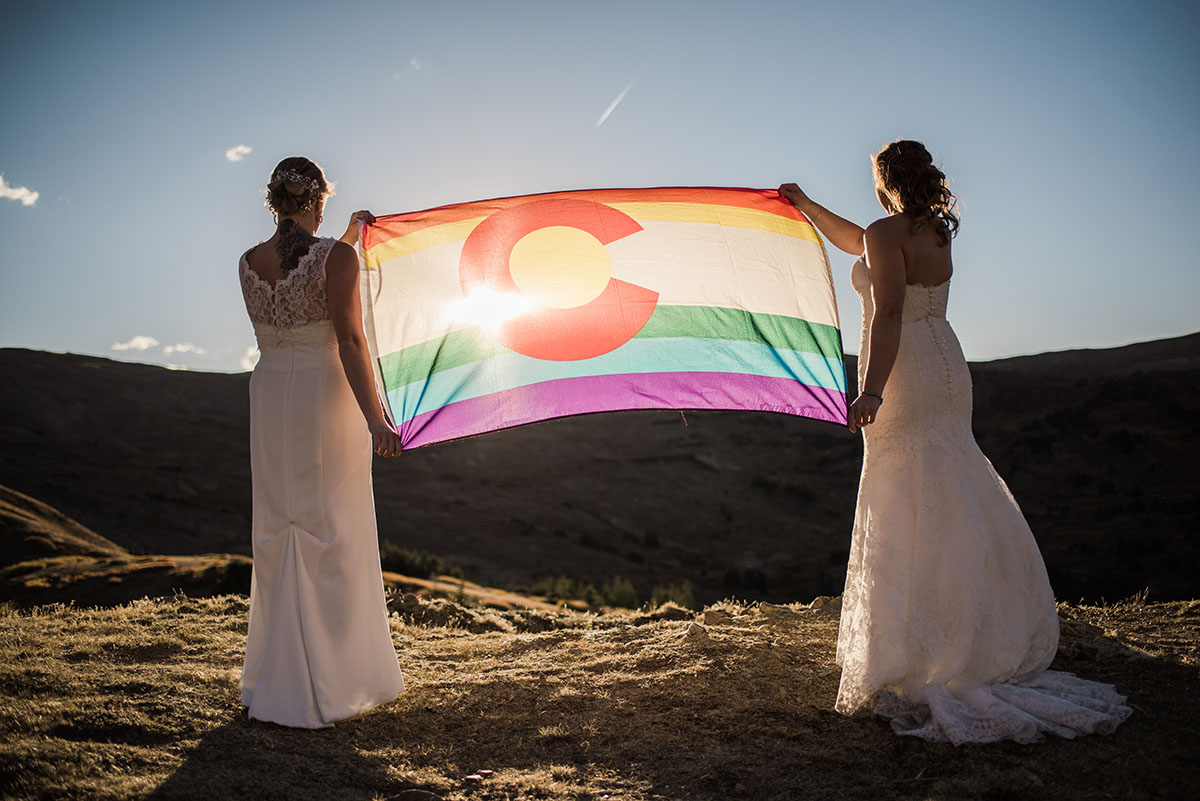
(141, 701)
(115, 579)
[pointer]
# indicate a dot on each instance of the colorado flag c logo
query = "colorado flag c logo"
(551, 252)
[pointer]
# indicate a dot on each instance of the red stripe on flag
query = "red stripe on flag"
(394, 225)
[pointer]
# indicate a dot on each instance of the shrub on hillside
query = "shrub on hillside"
(679, 593)
(235, 576)
(418, 564)
(617, 591)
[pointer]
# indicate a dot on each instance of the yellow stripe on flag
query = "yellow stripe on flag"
(732, 216)
(420, 240)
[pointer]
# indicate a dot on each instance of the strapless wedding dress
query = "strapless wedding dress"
(318, 648)
(948, 621)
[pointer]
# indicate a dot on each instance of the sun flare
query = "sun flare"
(489, 309)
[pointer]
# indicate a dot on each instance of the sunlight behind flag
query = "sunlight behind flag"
(487, 309)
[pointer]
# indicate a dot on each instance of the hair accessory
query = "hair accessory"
(310, 188)
(293, 177)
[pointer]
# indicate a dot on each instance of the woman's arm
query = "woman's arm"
(345, 309)
(356, 221)
(845, 235)
(886, 260)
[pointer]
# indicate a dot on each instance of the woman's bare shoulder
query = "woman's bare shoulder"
(892, 225)
(342, 259)
(885, 233)
(343, 253)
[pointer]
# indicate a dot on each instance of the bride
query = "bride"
(318, 648)
(948, 621)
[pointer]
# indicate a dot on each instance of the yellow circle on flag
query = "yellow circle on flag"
(559, 266)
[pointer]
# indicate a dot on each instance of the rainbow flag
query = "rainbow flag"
(482, 316)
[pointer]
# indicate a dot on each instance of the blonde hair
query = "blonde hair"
(297, 184)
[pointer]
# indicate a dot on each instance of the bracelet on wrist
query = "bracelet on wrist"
(873, 395)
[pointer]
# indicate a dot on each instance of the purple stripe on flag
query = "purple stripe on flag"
(623, 392)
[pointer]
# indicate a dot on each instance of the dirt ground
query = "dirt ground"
(734, 702)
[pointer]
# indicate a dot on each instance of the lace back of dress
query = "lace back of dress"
(288, 313)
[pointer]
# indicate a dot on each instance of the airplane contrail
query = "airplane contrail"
(615, 103)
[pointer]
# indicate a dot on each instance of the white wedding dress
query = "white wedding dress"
(318, 648)
(948, 621)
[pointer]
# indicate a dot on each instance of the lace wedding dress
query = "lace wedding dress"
(318, 648)
(948, 620)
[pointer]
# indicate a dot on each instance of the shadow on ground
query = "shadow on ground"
(742, 716)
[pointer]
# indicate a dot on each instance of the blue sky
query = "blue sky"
(1069, 130)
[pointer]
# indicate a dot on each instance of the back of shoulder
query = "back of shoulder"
(894, 225)
(342, 250)
(248, 255)
(886, 233)
(342, 259)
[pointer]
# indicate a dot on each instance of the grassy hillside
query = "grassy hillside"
(1098, 446)
(141, 701)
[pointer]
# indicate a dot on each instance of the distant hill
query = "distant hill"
(1098, 446)
(29, 529)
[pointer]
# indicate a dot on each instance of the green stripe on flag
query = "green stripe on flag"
(715, 322)
(457, 348)
(470, 345)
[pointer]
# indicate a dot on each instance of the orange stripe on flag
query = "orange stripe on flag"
(762, 200)
(382, 248)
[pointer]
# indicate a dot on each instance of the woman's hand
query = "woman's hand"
(384, 439)
(356, 221)
(863, 411)
(794, 194)
(845, 235)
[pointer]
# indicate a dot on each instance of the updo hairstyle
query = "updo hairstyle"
(296, 185)
(905, 176)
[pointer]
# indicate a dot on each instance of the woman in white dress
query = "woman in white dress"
(318, 648)
(948, 621)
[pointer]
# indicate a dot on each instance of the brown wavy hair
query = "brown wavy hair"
(907, 178)
(287, 195)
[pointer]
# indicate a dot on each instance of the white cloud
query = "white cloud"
(185, 347)
(250, 358)
(24, 194)
(139, 342)
(238, 152)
